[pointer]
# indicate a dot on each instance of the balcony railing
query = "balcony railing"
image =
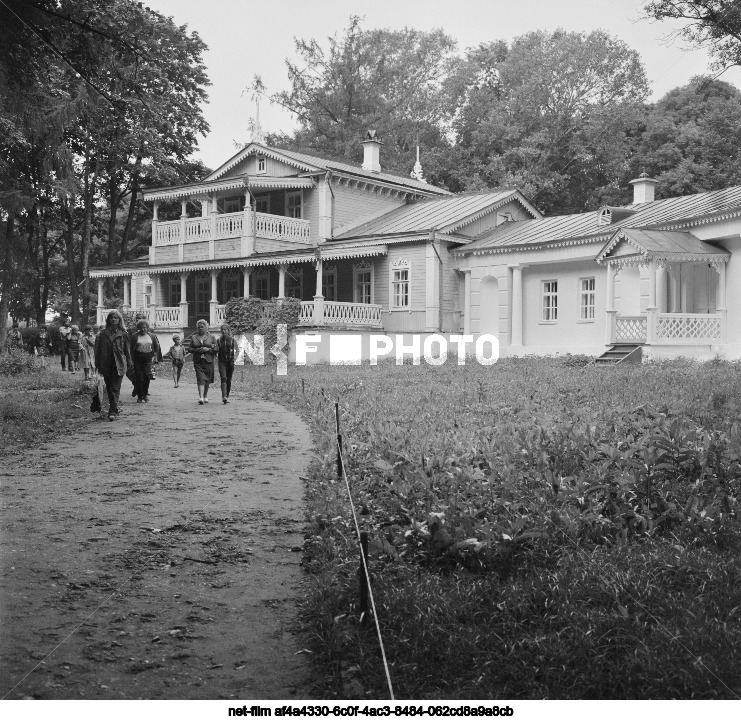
(630, 328)
(333, 313)
(230, 225)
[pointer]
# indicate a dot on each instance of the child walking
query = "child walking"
(87, 351)
(43, 345)
(177, 356)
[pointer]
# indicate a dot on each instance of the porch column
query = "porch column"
(247, 272)
(153, 302)
(133, 292)
(651, 307)
(126, 298)
(466, 302)
(720, 305)
(516, 336)
(610, 311)
(183, 216)
(100, 308)
(661, 285)
(214, 296)
(212, 235)
(248, 233)
(154, 222)
(319, 297)
(281, 281)
(184, 299)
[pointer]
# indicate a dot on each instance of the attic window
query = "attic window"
(261, 164)
(605, 217)
(505, 217)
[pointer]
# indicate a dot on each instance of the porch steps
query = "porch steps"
(621, 353)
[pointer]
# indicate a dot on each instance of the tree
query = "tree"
(692, 139)
(711, 24)
(119, 89)
(390, 81)
(554, 114)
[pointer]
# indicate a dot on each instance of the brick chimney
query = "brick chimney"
(643, 188)
(372, 152)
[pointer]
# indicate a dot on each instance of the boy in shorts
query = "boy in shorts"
(177, 355)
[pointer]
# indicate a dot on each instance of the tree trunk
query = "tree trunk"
(89, 191)
(69, 238)
(129, 217)
(6, 282)
(113, 199)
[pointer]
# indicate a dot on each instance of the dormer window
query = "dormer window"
(605, 217)
(505, 217)
(261, 164)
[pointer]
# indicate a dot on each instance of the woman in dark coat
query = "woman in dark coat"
(203, 349)
(227, 352)
(145, 350)
(112, 358)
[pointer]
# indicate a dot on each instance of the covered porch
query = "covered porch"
(174, 297)
(672, 290)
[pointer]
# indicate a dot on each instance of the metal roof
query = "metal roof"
(583, 226)
(312, 163)
(444, 214)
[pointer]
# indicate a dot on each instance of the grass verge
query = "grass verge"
(539, 529)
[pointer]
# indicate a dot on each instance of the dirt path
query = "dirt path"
(169, 543)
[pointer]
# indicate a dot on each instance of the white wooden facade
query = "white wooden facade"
(369, 251)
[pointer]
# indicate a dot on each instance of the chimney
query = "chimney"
(643, 188)
(372, 152)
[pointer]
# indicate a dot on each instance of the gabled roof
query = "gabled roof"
(666, 214)
(669, 245)
(306, 163)
(441, 214)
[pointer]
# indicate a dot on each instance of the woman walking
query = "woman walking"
(145, 350)
(112, 357)
(227, 353)
(203, 349)
(73, 349)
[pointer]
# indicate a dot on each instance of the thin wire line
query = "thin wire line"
(367, 575)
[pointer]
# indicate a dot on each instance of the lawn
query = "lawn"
(539, 529)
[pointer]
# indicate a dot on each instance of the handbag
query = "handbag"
(95, 403)
(152, 374)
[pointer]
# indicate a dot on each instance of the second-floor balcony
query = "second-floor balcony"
(221, 226)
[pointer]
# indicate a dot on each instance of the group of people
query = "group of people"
(116, 353)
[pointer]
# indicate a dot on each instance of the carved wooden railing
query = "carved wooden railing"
(688, 328)
(334, 313)
(279, 227)
(630, 328)
(230, 225)
(167, 317)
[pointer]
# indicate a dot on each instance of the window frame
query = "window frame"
(295, 194)
(229, 278)
(401, 265)
(356, 271)
(585, 294)
(203, 310)
(261, 165)
(295, 274)
(174, 292)
(260, 276)
(259, 198)
(330, 272)
(549, 312)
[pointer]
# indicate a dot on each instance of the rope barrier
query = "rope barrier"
(341, 467)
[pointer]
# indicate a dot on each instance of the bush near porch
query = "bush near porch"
(539, 529)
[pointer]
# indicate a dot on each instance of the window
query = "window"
(262, 204)
(174, 291)
(232, 205)
(400, 284)
(230, 287)
(329, 283)
(586, 298)
(363, 284)
(147, 295)
(293, 204)
(294, 284)
(262, 166)
(261, 287)
(550, 301)
(203, 296)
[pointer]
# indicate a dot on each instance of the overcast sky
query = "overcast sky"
(247, 37)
